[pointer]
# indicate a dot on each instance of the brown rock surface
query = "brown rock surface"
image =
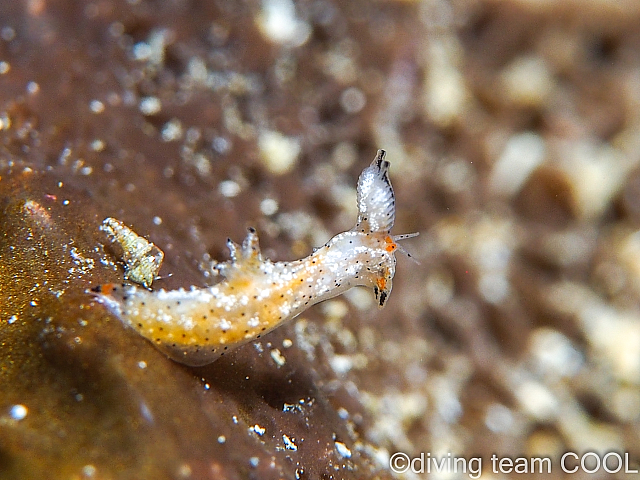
(512, 129)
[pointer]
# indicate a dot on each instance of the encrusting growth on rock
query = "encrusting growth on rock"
(196, 326)
(142, 258)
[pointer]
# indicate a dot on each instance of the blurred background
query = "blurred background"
(513, 132)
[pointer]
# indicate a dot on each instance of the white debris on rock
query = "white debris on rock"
(522, 154)
(595, 173)
(527, 81)
(279, 23)
(445, 93)
(279, 153)
(612, 332)
(554, 354)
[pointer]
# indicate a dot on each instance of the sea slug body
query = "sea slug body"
(196, 326)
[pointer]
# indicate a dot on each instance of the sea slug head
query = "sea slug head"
(362, 258)
(381, 276)
(376, 215)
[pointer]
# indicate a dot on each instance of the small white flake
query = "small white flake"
(522, 154)
(258, 430)
(279, 153)
(185, 470)
(198, 71)
(229, 188)
(352, 100)
(18, 412)
(222, 439)
(254, 461)
(342, 449)
(97, 145)
(291, 407)
(146, 412)
(5, 121)
(537, 400)
(96, 106)
(499, 418)
(33, 87)
(8, 33)
(142, 51)
(221, 145)
(279, 23)
(88, 470)
(269, 206)
(288, 443)
(341, 364)
(172, 130)
(150, 105)
(277, 357)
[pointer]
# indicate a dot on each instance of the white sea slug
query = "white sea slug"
(196, 326)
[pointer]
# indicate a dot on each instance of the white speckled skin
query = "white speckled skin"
(376, 201)
(196, 326)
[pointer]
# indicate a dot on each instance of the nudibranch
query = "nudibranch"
(196, 326)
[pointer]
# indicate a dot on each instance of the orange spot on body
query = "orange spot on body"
(381, 282)
(107, 288)
(391, 245)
